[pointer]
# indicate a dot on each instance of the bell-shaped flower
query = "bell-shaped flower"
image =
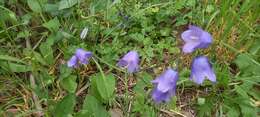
(202, 69)
(165, 86)
(84, 33)
(195, 38)
(130, 61)
(80, 57)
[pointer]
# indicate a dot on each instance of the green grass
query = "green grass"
(37, 38)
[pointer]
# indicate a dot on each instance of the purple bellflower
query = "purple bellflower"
(81, 56)
(165, 86)
(130, 61)
(202, 69)
(195, 38)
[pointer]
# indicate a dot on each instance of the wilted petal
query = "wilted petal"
(130, 61)
(201, 69)
(83, 55)
(72, 62)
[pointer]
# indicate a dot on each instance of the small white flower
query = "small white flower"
(84, 33)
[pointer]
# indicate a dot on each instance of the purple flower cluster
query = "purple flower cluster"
(165, 84)
(201, 69)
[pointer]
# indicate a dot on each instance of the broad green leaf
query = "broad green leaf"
(105, 86)
(23, 34)
(65, 71)
(7, 15)
(38, 57)
(99, 5)
(46, 77)
(53, 25)
(64, 4)
(201, 101)
(10, 58)
(47, 52)
(65, 107)
(69, 83)
(35, 5)
(15, 67)
(2, 2)
(51, 8)
(92, 108)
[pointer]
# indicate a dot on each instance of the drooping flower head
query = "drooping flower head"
(84, 33)
(202, 69)
(195, 38)
(130, 61)
(165, 86)
(80, 57)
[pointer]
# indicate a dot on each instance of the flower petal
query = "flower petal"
(83, 55)
(72, 62)
(206, 40)
(131, 61)
(159, 96)
(197, 77)
(190, 47)
(132, 67)
(167, 80)
(201, 69)
(186, 35)
(122, 63)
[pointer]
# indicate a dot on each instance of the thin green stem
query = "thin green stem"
(99, 67)
(112, 66)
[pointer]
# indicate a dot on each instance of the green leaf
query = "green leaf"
(46, 51)
(232, 112)
(65, 71)
(14, 67)
(247, 109)
(247, 64)
(7, 15)
(64, 4)
(241, 91)
(2, 2)
(201, 101)
(69, 83)
(10, 58)
(255, 48)
(53, 25)
(105, 86)
(38, 57)
(23, 34)
(92, 108)
(65, 107)
(35, 5)
(46, 77)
